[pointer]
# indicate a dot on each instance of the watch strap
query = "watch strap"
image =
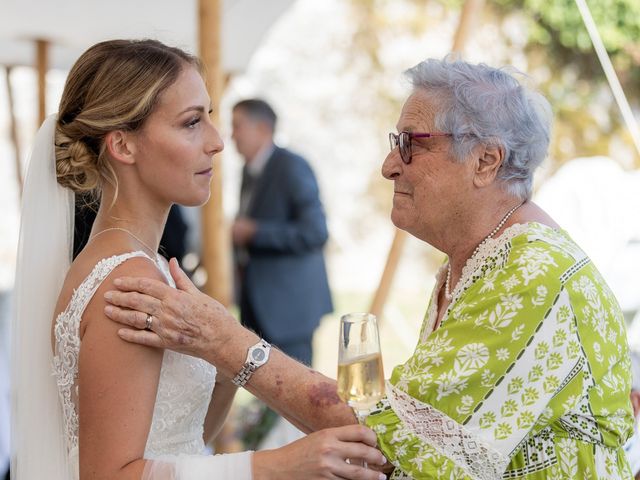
(245, 373)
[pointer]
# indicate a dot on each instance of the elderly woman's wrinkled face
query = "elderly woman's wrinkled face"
(430, 192)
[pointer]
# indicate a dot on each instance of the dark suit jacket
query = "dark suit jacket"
(285, 279)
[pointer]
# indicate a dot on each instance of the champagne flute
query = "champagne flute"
(360, 372)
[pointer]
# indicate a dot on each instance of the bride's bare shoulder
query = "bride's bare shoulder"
(98, 250)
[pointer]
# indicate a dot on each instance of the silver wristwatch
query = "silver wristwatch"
(256, 357)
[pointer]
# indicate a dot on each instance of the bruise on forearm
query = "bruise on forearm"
(320, 391)
(306, 398)
(322, 395)
(329, 410)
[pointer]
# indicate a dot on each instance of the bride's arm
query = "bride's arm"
(189, 321)
(118, 383)
(221, 400)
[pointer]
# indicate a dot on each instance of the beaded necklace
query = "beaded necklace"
(447, 293)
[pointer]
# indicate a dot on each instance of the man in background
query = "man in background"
(278, 235)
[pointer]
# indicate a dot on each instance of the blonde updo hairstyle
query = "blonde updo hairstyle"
(114, 85)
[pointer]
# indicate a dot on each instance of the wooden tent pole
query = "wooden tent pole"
(13, 130)
(42, 65)
(470, 10)
(390, 267)
(215, 238)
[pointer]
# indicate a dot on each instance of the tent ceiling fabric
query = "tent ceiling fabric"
(73, 25)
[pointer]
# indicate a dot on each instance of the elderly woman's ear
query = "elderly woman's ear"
(487, 164)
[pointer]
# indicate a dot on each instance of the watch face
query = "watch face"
(257, 355)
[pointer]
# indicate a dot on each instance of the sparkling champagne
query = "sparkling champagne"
(361, 381)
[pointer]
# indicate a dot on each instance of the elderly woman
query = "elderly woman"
(521, 368)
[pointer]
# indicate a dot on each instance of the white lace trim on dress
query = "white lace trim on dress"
(493, 253)
(477, 458)
(67, 341)
(184, 387)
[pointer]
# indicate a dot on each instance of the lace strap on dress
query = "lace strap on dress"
(103, 268)
(67, 346)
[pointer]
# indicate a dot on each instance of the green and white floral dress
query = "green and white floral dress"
(528, 375)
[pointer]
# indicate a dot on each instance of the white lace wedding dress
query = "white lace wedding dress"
(175, 440)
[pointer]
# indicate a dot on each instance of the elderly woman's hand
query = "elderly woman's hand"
(323, 455)
(187, 321)
(180, 319)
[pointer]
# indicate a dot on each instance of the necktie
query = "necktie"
(246, 190)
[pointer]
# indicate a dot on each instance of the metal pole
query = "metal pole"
(609, 71)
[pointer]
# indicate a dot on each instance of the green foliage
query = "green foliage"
(559, 39)
(557, 27)
(560, 58)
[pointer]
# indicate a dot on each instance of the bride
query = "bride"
(133, 126)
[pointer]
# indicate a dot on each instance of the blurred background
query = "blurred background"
(332, 70)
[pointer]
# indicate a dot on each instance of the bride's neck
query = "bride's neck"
(142, 218)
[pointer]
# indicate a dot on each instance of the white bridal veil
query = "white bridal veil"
(44, 256)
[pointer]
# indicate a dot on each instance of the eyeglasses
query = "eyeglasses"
(403, 140)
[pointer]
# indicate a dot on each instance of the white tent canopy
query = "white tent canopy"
(597, 202)
(73, 25)
(224, 33)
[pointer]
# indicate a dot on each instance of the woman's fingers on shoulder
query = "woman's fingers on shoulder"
(132, 318)
(142, 277)
(141, 337)
(182, 280)
(150, 282)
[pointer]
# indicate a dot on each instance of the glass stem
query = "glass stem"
(361, 415)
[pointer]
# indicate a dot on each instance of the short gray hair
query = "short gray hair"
(485, 105)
